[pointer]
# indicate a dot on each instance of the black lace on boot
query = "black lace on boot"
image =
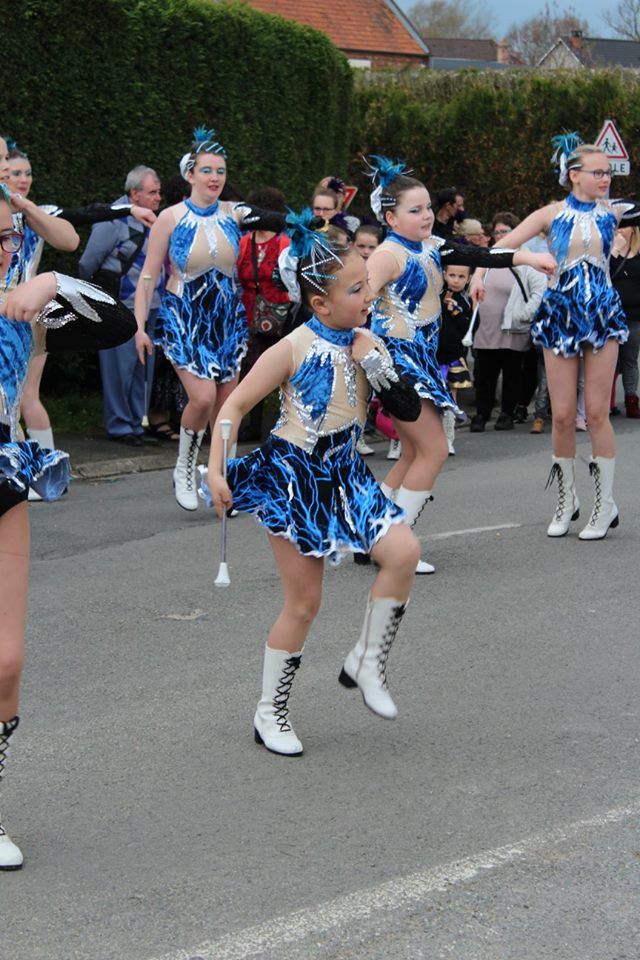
(6, 729)
(387, 641)
(594, 470)
(419, 513)
(283, 691)
(192, 456)
(557, 473)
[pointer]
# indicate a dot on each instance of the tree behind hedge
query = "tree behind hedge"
(489, 132)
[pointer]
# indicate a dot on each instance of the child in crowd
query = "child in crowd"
(367, 238)
(307, 486)
(457, 310)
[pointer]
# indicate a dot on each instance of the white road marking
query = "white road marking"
(465, 533)
(344, 911)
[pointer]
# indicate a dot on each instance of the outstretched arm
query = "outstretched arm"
(59, 233)
(76, 315)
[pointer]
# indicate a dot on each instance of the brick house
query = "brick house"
(578, 52)
(371, 33)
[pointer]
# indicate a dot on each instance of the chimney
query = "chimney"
(503, 52)
(576, 39)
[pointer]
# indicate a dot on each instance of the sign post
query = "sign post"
(610, 142)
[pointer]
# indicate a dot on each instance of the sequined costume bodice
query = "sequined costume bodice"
(582, 233)
(16, 345)
(327, 392)
(413, 300)
(204, 239)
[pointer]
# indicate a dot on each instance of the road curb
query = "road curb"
(103, 469)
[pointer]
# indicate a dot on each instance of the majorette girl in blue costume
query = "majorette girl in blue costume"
(308, 486)
(50, 312)
(25, 265)
(580, 316)
(405, 274)
(201, 325)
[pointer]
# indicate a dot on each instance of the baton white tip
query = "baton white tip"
(222, 580)
(225, 429)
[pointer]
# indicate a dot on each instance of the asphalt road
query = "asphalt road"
(496, 819)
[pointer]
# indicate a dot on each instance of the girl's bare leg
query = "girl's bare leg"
(562, 380)
(14, 575)
(202, 399)
(34, 414)
(599, 369)
(301, 579)
(424, 451)
(396, 554)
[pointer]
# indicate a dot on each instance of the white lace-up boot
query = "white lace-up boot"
(567, 509)
(395, 450)
(449, 424)
(271, 722)
(413, 503)
(10, 854)
(184, 475)
(45, 439)
(605, 513)
(366, 665)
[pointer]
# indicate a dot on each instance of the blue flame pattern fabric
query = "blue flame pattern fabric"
(327, 502)
(416, 361)
(205, 329)
(23, 463)
(582, 308)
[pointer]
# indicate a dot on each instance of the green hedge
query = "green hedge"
(489, 132)
(98, 86)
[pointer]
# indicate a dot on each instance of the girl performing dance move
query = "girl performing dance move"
(308, 487)
(27, 262)
(405, 274)
(68, 314)
(580, 316)
(201, 324)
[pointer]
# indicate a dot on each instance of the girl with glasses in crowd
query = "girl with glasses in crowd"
(581, 315)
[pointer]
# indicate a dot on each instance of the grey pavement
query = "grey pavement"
(496, 818)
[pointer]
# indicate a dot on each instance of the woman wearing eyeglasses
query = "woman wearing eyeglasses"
(580, 316)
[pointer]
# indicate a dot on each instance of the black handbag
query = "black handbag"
(269, 319)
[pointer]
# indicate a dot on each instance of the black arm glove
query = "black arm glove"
(92, 213)
(256, 219)
(84, 317)
(466, 255)
(397, 396)
(630, 212)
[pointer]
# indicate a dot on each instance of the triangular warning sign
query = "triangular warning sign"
(349, 194)
(610, 142)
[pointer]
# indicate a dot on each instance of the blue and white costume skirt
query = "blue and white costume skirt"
(417, 363)
(205, 330)
(582, 310)
(25, 464)
(328, 503)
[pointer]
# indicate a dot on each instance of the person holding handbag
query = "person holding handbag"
(266, 303)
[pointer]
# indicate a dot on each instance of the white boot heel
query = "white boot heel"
(366, 665)
(272, 728)
(184, 475)
(604, 516)
(10, 854)
(567, 509)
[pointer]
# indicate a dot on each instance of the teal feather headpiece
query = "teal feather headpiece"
(5, 192)
(204, 141)
(565, 145)
(310, 247)
(383, 171)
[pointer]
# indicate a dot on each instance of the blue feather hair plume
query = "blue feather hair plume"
(384, 171)
(5, 192)
(205, 140)
(306, 245)
(565, 145)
